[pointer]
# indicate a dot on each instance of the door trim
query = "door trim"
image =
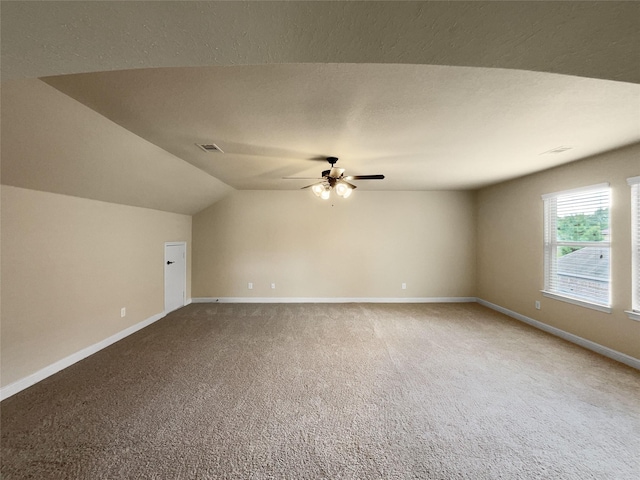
(164, 270)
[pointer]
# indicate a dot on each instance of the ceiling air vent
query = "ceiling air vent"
(553, 151)
(210, 147)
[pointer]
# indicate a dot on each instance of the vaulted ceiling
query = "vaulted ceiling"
(434, 95)
(423, 127)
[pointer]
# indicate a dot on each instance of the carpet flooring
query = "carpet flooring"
(330, 391)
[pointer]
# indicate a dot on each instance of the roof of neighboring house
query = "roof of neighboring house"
(588, 262)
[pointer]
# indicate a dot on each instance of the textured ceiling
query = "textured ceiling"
(591, 39)
(432, 94)
(423, 127)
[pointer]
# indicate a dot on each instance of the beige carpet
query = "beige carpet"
(356, 391)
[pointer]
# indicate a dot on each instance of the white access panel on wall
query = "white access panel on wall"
(175, 275)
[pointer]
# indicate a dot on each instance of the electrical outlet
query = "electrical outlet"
(404, 286)
(250, 286)
(273, 286)
(123, 312)
(537, 304)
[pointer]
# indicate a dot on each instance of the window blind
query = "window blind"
(577, 244)
(634, 182)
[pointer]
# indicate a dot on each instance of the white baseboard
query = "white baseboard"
(333, 300)
(570, 337)
(19, 385)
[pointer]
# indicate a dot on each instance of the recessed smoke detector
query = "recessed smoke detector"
(210, 147)
(556, 150)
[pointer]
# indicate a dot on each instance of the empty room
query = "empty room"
(320, 240)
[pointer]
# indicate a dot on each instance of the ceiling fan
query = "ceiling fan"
(334, 179)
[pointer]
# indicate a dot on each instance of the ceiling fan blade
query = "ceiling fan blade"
(301, 178)
(365, 177)
(312, 185)
(335, 172)
(351, 185)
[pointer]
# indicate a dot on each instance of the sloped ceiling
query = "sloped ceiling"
(54, 144)
(435, 95)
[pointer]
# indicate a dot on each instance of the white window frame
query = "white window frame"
(551, 244)
(634, 183)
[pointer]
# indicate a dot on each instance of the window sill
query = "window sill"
(633, 315)
(574, 301)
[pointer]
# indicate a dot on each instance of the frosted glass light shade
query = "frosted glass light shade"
(343, 190)
(317, 189)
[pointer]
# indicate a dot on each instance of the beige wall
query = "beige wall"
(510, 259)
(68, 266)
(365, 246)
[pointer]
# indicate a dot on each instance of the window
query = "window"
(577, 246)
(635, 247)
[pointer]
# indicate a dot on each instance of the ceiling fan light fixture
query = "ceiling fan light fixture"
(317, 189)
(335, 179)
(343, 190)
